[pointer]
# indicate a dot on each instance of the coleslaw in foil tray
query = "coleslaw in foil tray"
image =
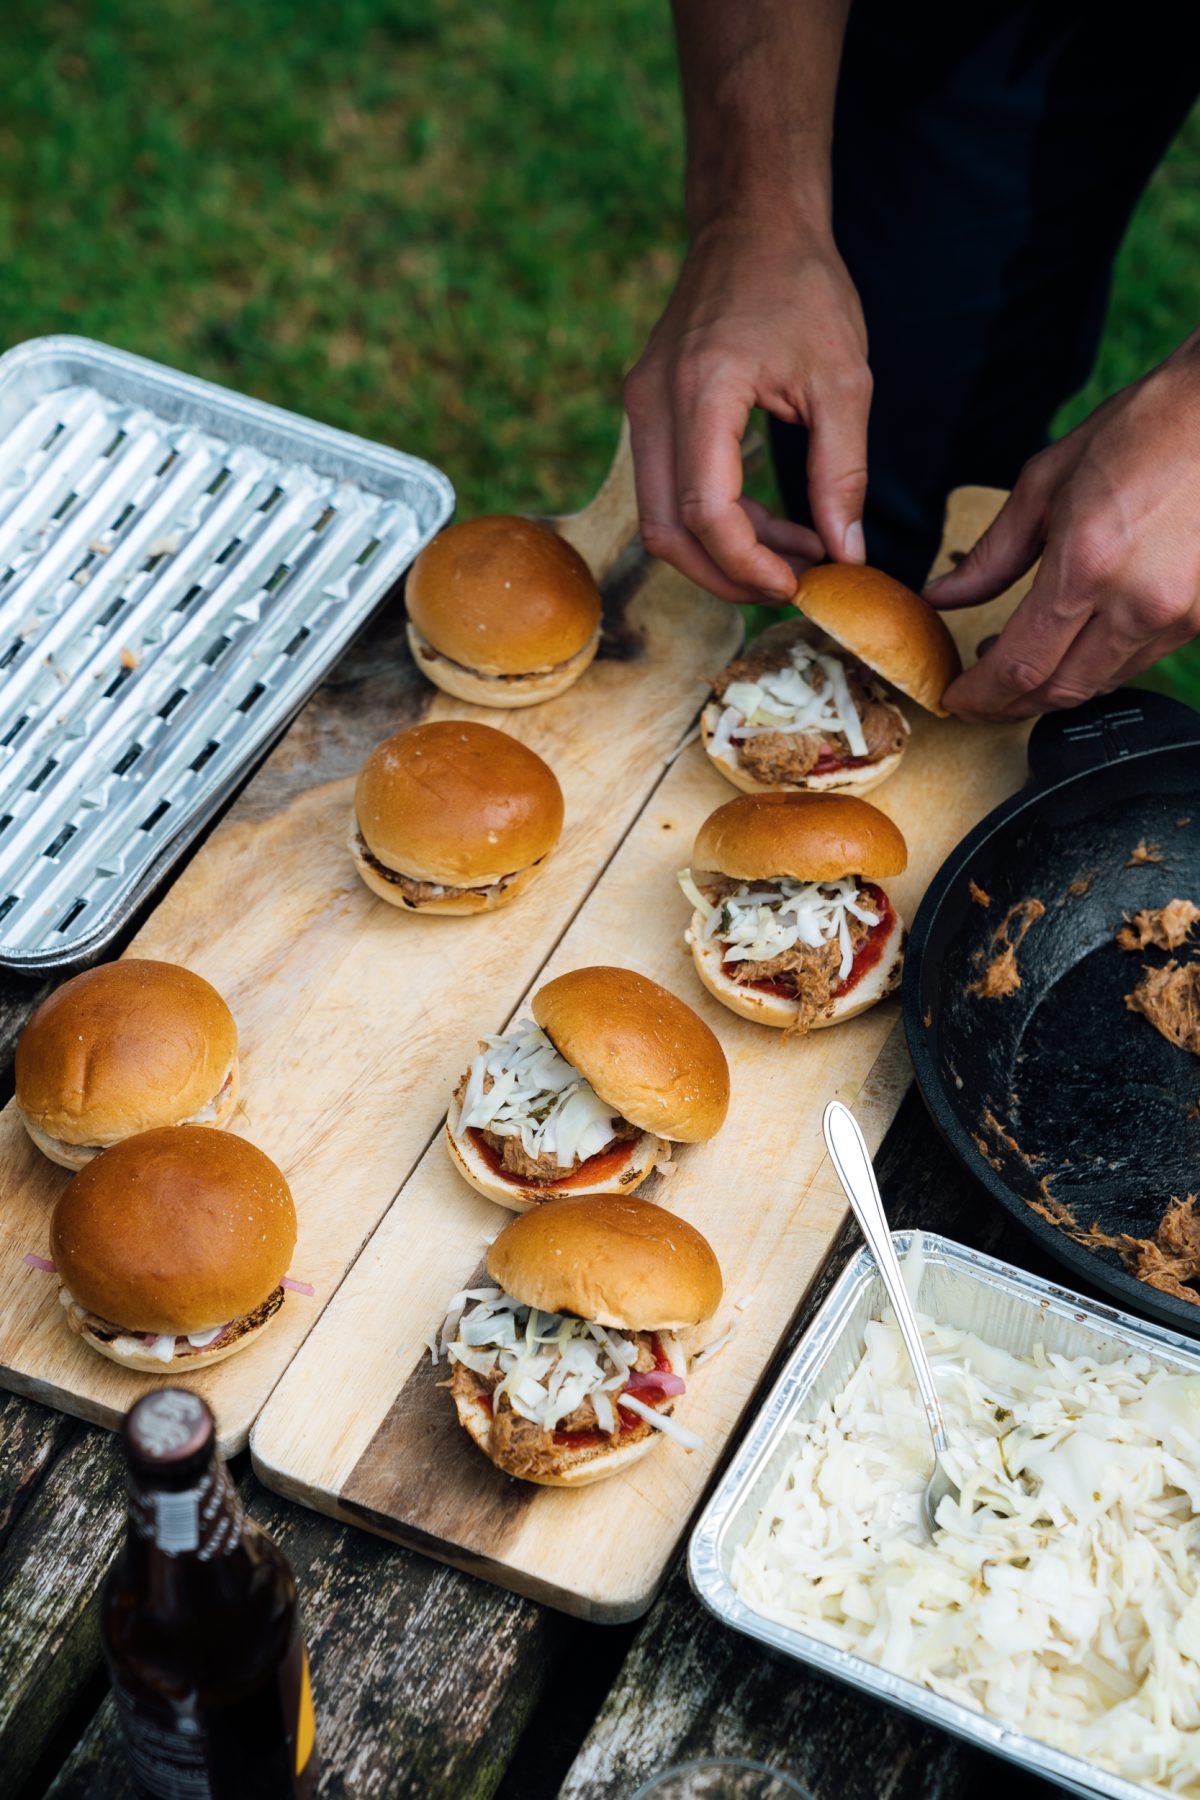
(1061, 1594)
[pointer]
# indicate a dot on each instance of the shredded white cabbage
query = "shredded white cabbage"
(811, 694)
(549, 1363)
(537, 1096)
(1062, 1592)
(759, 921)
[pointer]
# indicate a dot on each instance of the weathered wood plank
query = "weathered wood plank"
(423, 1679)
(52, 1564)
(690, 1688)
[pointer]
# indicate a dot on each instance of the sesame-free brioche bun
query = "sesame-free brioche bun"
(174, 1231)
(616, 1260)
(502, 611)
(124, 1047)
(809, 837)
(577, 1464)
(457, 804)
(615, 1171)
(885, 625)
(763, 1008)
(643, 1050)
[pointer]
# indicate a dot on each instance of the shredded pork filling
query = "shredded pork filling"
(420, 893)
(546, 1376)
(803, 935)
(782, 710)
(533, 1109)
(165, 1346)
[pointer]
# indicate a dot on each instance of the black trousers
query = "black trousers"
(987, 157)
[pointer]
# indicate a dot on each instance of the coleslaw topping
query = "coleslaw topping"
(761, 920)
(810, 693)
(519, 1086)
(548, 1364)
(1061, 1593)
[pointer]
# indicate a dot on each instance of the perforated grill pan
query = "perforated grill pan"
(1058, 1095)
(179, 566)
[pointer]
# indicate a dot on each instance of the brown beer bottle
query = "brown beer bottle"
(201, 1625)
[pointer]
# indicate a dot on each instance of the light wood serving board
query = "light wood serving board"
(359, 1427)
(353, 1016)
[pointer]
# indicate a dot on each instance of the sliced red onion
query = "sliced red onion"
(654, 1381)
(40, 1262)
(298, 1287)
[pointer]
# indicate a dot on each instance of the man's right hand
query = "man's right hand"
(759, 317)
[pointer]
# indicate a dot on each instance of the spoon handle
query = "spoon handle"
(852, 1160)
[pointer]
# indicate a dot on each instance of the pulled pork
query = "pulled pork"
(1170, 998)
(420, 893)
(107, 1332)
(810, 972)
(522, 1448)
(517, 1160)
(779, 757)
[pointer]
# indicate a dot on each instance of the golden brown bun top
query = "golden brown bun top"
(503, 594)
(174, 1230)
(885, 625)
(645, 1052)
(611, 1258)
(121, 1048)
(455, 802)
(811, 837)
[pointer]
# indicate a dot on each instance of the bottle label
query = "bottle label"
(167, 1759)
(206, 1520)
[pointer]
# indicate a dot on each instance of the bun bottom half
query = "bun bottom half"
(76, 1156)
(643, 1152)
(848, 781)
(772, 1009)
(457, 905)
(498, 690)
(140, 1360)
(594, 1462)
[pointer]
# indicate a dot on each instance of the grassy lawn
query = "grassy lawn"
(442, 225)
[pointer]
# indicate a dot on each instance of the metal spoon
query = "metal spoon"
(852, 1160)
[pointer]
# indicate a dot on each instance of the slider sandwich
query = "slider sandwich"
(453, 817)
(583, 1097)
(806, 708)
(502, 611)
(172, 1249)
(122, 1048)
(568, 1369)
(791, 926)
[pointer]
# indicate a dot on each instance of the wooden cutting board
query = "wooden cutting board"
(354, 1017)
(359, 1426)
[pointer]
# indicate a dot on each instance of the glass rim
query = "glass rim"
(720, 1762)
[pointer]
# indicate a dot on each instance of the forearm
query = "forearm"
(759, 79)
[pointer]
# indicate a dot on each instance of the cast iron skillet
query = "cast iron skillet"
(1059, 1080)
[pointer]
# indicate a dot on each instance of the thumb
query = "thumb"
(1009, 546)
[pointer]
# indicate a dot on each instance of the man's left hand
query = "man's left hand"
(1113, 510)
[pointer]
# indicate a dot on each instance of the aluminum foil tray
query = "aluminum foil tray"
(179, 566)
(1002, 1305)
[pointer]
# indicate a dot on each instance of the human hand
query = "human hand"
(1113, 509)
(756, 319)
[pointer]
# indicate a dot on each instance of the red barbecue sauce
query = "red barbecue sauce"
(581, 1440)
(601, 1167)
(866, 955)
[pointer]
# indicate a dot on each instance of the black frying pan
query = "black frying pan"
(1059, 1081)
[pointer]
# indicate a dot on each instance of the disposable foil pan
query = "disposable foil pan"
(962, 1288)
(179, 566)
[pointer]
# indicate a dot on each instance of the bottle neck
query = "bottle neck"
(183, 1535)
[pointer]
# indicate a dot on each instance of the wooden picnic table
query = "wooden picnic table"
(429, 1682)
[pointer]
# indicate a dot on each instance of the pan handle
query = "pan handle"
(1108, 729)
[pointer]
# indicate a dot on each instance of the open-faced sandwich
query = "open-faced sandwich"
(791, 926)
(807, 707)
(569, 1368)
(585, 1097)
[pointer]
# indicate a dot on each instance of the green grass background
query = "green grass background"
(445, 225)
